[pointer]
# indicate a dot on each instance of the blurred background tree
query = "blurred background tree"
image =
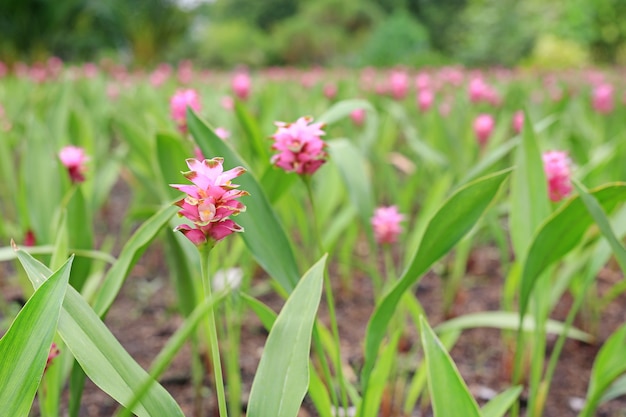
(226, 33)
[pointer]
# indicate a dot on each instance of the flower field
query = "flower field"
(321, 242)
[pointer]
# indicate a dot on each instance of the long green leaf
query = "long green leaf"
(24, 348)
(353, 170)
(501, 403)
(599, 216)
(282, 377)
(509, 321)
(451, 222)
(607, 367)
(129, 255)
(264, 236)
(98, 352)
(449, 394)
(561, 232)
(529, 192)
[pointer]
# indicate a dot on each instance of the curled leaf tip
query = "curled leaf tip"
(14, 245)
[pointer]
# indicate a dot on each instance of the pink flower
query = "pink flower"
(425, 100)
(518, 121)
(74, 159)
(241, 85)
(386, 224)
(556, 165)
(301, 150)
(330, 91)
(54, 352)
(222, 133)
(29, 238)
(399, 84)
(483, 126)
(210, 201)
(179, 103)
(227, 103)
(358, 116)
(602, 99)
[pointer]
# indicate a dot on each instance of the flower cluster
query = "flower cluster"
(483, 127)
(178, 106)
(301, 150)
(209, 201)
(556, 165)
(386, 224)
(73, 158)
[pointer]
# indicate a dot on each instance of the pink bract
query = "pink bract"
(179, 103)
(386, 224)
(211, 199)
(74, 158)
(556, 165)
(518, 121)
(241, 85)
(483, 127)
(300, 148)
(358, 116)
(602, 99)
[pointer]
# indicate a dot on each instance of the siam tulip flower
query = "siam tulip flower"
(227, 103)
(113, 91)
(54, 352)
(210, 201)
(518, 121)
(241, 85)
(556, 165)
(483, 127)
(185, 72)
(29, 238)
(330, 91)
(90, 70)
(425, 99)
(222, 133)
(74, 159)
(386, 224)
(358, 116)
(602, 99)
(422, 81)
(301, 150)
(399, 84)
(179, 103)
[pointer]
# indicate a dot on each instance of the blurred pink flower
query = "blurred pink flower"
(358, 116)
(399, 84)
(386, 224)
(330, 91)
(483, 127)
(178, 106)
(556, 165)
(54, 352)
(241, 85)
(185, 72)
(422, 81)
(425, 99)
(518, 121)
(29, 238)
(73, 158)
(227, 103)
(222, 133)
(209, 201)
(301, 150)
(602, 99)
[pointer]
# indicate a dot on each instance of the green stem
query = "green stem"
(329, 299)
(212, 331)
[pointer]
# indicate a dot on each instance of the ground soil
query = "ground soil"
(144, 317)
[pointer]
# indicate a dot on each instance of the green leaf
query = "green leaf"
(353, 170)
(371, 404)
(253, 132)
(599, 216)
(131, 252)
(562, 232)
(451, 222)
(529, 191)
(262, 311)
(25, 346)
(500, 404)
(282, 377)
(98, 352)
(448, 393)
(80, 235)
(264, 236)
(607, 367)
(509, 321)
(171, 155)
(342, 109)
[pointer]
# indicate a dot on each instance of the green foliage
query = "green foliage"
(399, 39)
